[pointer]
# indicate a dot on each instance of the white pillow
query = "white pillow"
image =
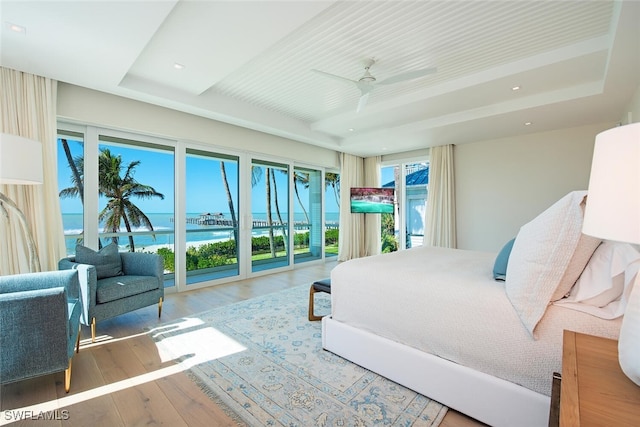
(541, 254)
(585, 248)
(602, 289)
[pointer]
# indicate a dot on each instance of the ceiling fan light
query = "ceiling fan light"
(367, 77)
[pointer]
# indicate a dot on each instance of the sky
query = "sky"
(205, 192)
(386, 174)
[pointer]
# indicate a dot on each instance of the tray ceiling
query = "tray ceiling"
(249, 63)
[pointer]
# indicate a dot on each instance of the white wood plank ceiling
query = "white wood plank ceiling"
(250, 62)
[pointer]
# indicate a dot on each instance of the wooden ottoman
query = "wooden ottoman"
(323, 285)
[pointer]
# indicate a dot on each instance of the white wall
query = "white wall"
(633, 109)
(86, 106)
(502, 184)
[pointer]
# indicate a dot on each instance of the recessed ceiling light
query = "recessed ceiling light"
(16, 28)
(514, 88)
(351, 129)
(527, 123)
(178, 66)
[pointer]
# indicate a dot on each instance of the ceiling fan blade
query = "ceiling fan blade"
(333, 76)
(409, 75)
(363, 101)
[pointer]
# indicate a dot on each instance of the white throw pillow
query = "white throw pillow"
(585, 248)
(541, 254)
(602, 289)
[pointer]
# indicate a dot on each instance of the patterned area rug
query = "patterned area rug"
(263, 361)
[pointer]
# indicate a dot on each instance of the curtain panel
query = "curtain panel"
(351, 236)
(441, 206)
(359, 233)
(29, 110)
(372, 222)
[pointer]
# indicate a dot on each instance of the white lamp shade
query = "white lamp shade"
(20, 160)
(613, 202)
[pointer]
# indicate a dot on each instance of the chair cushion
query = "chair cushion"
(323, 285)
(114, 288)
(107, 260)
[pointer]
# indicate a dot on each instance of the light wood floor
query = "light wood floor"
(121, 381)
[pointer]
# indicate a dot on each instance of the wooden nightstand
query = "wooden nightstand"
(594, 390)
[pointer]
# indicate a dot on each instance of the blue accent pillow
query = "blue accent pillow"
(107, 260)
(500, 266)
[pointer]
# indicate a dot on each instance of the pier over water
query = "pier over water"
(220, 221)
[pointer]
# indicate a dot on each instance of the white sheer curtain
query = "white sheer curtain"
(351, 236)
(29, 110)
(372, 221)
(441, 205)
(359, 233)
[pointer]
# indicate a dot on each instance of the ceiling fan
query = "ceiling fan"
(368, 82)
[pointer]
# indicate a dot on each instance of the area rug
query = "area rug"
(263, 361)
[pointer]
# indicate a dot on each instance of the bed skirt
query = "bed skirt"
(486, 398)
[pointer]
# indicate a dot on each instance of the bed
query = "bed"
(437, 321)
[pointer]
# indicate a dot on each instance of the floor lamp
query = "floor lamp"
(613, 213)
(20, 163)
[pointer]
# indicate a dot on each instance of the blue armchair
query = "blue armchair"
(39, 324)
(140, 283)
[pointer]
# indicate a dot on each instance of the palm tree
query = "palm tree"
(76, 164)
(232, 210)
(333, 180)
(256, 177)
(77, 169)
(282, 223)
(272, 245)
(301, 178)
(120, 190)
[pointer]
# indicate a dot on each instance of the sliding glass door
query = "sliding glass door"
(212, 228)
(214, 215)
(270, 246)
(308, 188)
(71, 187)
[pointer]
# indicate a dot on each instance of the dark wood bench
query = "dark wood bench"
(323, 285)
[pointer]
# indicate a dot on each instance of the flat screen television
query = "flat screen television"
(372, 200)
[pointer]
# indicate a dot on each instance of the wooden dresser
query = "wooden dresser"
(593, 390)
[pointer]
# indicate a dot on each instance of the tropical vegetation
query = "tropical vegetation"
(217, 254)
(389, 241)
(119, 190)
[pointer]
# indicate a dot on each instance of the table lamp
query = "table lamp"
(20, 163)
(613, 213)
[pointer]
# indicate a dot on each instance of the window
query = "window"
(331, 213)
(128, 189)
(71, 187)
(212, 216)
(390, 223)
(417, 190)
(405, 228)
(135, 202)
(307, 213)
(270, 215)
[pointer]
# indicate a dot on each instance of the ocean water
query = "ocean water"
(163, 226)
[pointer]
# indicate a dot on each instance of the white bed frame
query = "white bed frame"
(481, 396)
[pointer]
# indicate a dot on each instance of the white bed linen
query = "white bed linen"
(446, 302)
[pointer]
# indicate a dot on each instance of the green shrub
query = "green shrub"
(331, 237)
(217, 254)
(169, 259)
